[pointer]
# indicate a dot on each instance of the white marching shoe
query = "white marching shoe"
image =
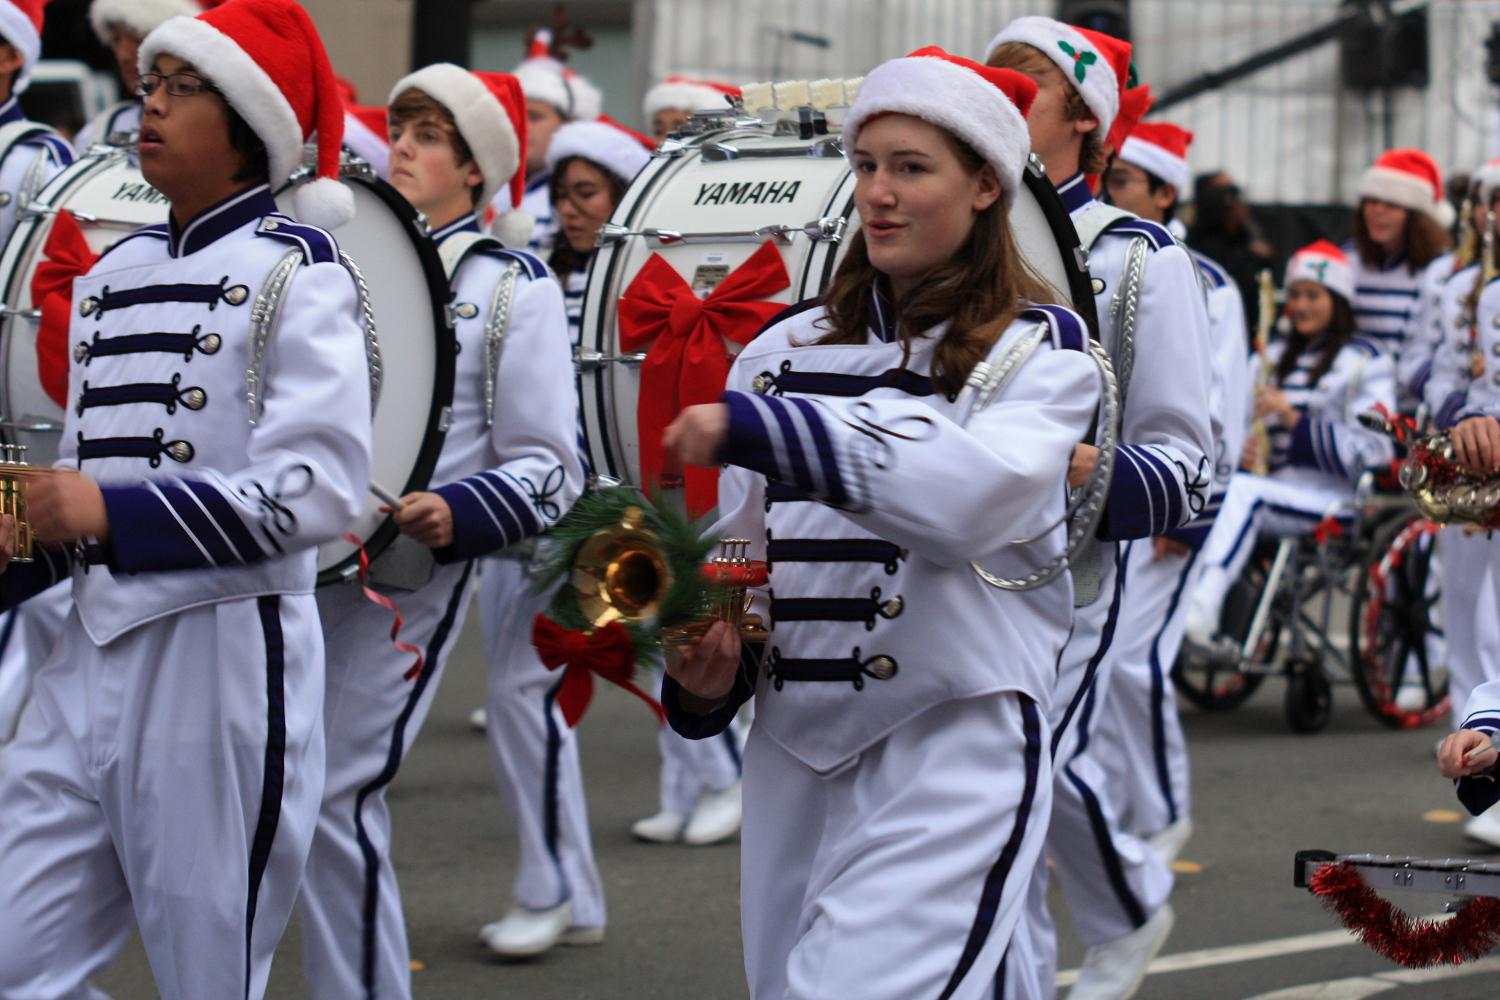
(522, 933)
(1485, 827)
(663, 828)
(1169, 840)
(715, 818)
(479, 719)
(1201, 626)
(1114, 970)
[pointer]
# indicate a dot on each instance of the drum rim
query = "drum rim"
(444, 375)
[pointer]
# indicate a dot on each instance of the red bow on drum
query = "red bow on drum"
(608, 652)
(686, 360)
(65, 256)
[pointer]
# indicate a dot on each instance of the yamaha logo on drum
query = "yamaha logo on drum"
(138, 191)
(748, 193)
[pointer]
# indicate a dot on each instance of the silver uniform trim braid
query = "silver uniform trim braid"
(494, 335)
(372, 338)
(32, 181)
(985, 384)
(264, 315)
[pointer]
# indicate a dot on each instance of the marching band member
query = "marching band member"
(508, 469)
(1324, 377)
(1139, 735)
(167, 772)
(555, 96)
(120, 25)
(897, 778)
(1400, 227)
(669, 104)
(1162, 480)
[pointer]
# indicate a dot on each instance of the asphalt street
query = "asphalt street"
(1260, 794)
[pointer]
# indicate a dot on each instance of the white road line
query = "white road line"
(1356, 987)
(1231, 954)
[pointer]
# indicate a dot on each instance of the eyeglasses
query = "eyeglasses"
(178, 85)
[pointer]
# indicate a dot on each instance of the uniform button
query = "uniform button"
(180, 451)
(5, 198)
(1497, 378)
(236, 295)
(892, 608)
(272, 225)
(88, 306)
(466, 310)
(81, 353)
(194, 399)
(882, 668)
(1495, 350)
(210, 344)
(761, 384)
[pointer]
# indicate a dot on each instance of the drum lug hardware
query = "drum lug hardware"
(32, 314)
(592, 361)
(1034, 165)
(445, 419)
(829, 229)
(1081, 256)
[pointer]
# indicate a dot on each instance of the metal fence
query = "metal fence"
(1291, 134)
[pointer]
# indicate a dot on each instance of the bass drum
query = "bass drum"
(706, 202)
(408, 295)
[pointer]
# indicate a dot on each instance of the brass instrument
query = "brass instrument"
(1265, 322)
(14, 471)
(1444, 491)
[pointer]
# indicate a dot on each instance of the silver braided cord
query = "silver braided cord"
(263, 316)
(372, 339)
(494, 335)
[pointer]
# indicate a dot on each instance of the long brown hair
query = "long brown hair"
(1339, 332)
(1423, 241)
(979, 291)
(1028, 59)
(564, 260)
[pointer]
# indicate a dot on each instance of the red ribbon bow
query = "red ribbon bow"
(1327, 529)
(375, 597)
(65, 256)
(686, 360)
(607, 652)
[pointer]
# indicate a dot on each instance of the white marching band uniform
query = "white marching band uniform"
(1386, 296)
(124, 116)
(1424, 333)
(851, 480)
(171, 757)
(507, 475)
(1112, 881)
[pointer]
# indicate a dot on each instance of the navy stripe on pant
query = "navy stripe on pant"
(273, 779)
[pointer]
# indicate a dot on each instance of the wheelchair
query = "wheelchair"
(1356, 601)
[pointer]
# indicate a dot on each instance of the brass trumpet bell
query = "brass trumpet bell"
(621, 573)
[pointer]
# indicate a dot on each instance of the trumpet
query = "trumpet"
(14, 471)
(1444, 491)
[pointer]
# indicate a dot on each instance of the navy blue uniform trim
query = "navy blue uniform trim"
(852, 669)
(830, 609)
(993, 892)
(165, 394)
(1157, 235)
(1068, 330)
(394, 754)
(1159, 694)
(550, 772)
(273, 768)
(1106, 639)
(151, 295)
(1075, 192)
(186, 344)
(158, 231)
(318, 247)
(818, 550)
(150, 448)
(1113, 866)
(841, 384)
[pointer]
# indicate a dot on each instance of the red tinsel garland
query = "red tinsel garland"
(1400, 937)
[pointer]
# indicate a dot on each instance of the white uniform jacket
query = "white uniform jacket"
(159, 416)
(122, 117)
(1484, 392)
(1330, 448)
(1446, 385)
(867, 502)
(1385, 298)
(37, 158)
(1228, 386)
(1423, 334)
(514, 478)
(1164, 469)
(537, 203)
(1482, 713)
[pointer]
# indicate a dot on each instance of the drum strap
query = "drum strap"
(13, 135)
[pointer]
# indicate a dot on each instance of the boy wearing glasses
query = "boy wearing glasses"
(120, 26)
(167, 771)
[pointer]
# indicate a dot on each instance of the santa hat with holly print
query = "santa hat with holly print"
(544, 78)
(605, 142)
(1409, 178)
(489, 111)
(1324, 264)
(1096, 64)
(139, 16)
(1161, 149)
(683, 93)
(983, 106)
(266, 59)
(21, 26)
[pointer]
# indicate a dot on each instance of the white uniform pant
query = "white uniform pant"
(169, 780)
(1467, 570)
(353, 931)
(693, 768)
(1256, 505)
(903, 874)
(1137, 734)
(27, 636)
(535, 753)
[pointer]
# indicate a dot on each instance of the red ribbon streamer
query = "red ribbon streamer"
(375, 597)
(607, 652)
(687, 362)
(1327, 529)
(65, 256)
(1398, 936)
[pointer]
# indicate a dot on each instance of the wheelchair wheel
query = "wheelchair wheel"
(1309, 697)
(1395, 627)
(1215, 681)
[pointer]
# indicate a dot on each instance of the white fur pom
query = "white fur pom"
(324, 203)
(513, 229)
(1444, 214)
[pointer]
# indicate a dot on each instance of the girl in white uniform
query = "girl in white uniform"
(508, 469)
(897, 777)
(167, 772)
(1323, 378)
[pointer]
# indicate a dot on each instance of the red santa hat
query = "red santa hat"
(267, 60)
(683, 93)
(139, 16)
(489, 111)
(1096, 64)
(1161, 148)
(1409, 178)
(543, 78)
(21, 26)
(620, 150)
(983, 106)
(1324, 264)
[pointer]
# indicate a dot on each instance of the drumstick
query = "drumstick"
(385, 495)
(1469, 757)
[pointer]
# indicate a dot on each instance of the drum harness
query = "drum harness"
(11, 136)
(454, 251)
